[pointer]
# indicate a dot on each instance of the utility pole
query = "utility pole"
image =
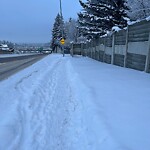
(60, 8)
(61, 25)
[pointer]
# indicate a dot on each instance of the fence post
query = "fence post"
(95, 49)
(113, 49)
(72, 49)
(81, 46)
(126, 50)
(99, 49)
(148, 56)
(86, 50)
(91, 49)
(93, 53)
(104, 48)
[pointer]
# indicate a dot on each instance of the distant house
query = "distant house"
(4, 47)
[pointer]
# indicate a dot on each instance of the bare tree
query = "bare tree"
(71, 30)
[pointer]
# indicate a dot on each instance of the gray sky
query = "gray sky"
(32, 20)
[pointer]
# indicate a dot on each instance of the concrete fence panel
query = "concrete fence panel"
(138, 47)
(119, 60)
(120, 37)
(129, 47)
(120, 49)
(136, 61)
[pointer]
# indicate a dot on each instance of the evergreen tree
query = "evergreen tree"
(119, 13)
(58, 30)
(89, 25)
(99, 16)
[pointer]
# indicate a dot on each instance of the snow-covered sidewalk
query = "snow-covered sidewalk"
(75, 103)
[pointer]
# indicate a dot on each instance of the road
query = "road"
(9, 66)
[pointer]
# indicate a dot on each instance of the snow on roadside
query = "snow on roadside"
(15, 92)
(15, 55)
(75, 103)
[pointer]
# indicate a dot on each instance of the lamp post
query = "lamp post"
(60, 8)
(61, 18)
(61, 24)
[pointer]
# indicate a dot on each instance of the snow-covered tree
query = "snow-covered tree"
(58, 31)
(119, 13)
(89, 24)
(58, 28)
(139, 9)
(71, 29)
(99, 16)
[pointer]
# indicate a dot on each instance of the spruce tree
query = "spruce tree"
(114, 12)
(99, 16)
(119, 13)
(58, 30)
(89, 25)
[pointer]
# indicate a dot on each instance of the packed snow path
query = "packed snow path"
(65, 103)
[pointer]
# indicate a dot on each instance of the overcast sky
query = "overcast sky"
(32, 20)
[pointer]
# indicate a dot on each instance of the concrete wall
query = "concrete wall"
(120, 49)
(138, 47)
(127, 48)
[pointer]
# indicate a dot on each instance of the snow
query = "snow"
(75, 103)
(138, 20)
(148, 18)
(4, 45)
(16, 55)
(133, 22)
(116, 28)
